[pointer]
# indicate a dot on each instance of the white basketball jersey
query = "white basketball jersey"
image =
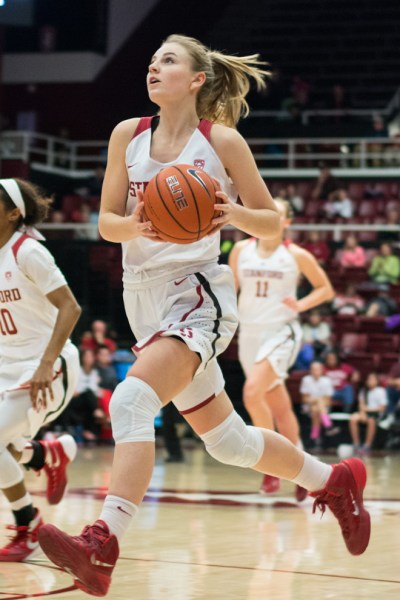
(141, 254)
(264, 283)
(27, 318)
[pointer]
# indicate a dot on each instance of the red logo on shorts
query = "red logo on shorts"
(199, 163)
(8, 274)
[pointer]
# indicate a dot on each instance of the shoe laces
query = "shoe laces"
(94, 535)
(20, 532)
(336, 503)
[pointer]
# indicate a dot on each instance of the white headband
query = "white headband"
(12, 189)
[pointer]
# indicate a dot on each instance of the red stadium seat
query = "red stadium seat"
(387, 361)
(353, 342)
(372, 324)
(364, 362)
(69, 205)
(383, 343)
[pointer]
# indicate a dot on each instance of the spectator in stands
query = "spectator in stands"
(316, 390)
(326, 183)
(385, 267)
(338, 205)
(94, 185)
(83, 415)
(97, 337)
(295, 200)
(86, 215)
(391, 153)
(317, 247)
(372, 401)
(338, 100)
(372, 191)
(349, 302)
(316, 340)
(342, 377)
(352, 255)
(381, 305)
(378, 130)
(104, 365)
(392, 218)
(393, 395)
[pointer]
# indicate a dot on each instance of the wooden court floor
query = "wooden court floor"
(205, 533)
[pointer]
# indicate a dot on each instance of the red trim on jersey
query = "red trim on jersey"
(198, 406)
(153, 338)
(205, 128)
(287, 243)
(144, 123)
(15, 247)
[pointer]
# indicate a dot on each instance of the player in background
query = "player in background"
(182, 307)
(266, 274)
(38, 364)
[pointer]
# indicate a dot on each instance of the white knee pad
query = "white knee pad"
(133, 406)
(10, 471)
(235, 443)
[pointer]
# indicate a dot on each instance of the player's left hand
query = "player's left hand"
(225, 208)
(41, 390)
(291, 303)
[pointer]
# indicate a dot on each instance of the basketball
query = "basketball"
(179, 201)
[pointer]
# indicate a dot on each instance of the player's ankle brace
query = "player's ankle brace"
(133, 407)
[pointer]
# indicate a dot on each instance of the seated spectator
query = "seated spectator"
(393, 395)
(326, 184)
(83, 416)
(317, 247)
(372, 402)
(339, 205)
(342, 377)
(316, 390)
(392, 218)
(86, 215)
(94, 185)
(352, 255)
(385, 267)
(294, 199)
(108, 378)
(316, 333)
(97, 337)
(382, 305)
(349, 302)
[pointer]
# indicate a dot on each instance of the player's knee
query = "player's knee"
(133, 407)
(10, 472)
(235, 443)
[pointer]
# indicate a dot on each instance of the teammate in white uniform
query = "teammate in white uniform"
(267, 272)
(182, 305)
(38, 363)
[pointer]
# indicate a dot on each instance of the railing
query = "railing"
(337, 229)
(300, 156)
(308, 115)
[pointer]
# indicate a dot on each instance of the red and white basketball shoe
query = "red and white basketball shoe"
(58, 454)
(90, 557)
(270, 484)
(343, 494)
(24, 543)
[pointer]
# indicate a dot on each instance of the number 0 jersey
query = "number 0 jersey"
(27, 274)
(264, 283)
(144, 259)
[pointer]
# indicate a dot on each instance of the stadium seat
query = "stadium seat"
(69, 204)
(364, 363)
(387, 361)
(372, 324)
(353, 342)
(383, 343)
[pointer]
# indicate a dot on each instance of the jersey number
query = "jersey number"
(262, 289)
(7, 325)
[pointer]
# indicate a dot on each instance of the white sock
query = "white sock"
(313, 475)
(118, 514)
(22, 502)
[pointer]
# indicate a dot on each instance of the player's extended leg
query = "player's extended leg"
(340, 487)
(91, 557)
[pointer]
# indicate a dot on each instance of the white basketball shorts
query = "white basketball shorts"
(279, 347)
(18, 420)
(199, 308)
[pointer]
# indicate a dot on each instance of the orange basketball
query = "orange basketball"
(179, 201)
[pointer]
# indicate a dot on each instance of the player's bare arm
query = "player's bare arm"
(233, 261)
(114, 226)
(68, 314)
(262, 220)
(322, 288)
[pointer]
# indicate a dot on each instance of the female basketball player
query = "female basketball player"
(266, 272)
(38, 365)
(182, 305)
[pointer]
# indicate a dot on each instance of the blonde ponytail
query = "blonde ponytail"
(222, 98)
